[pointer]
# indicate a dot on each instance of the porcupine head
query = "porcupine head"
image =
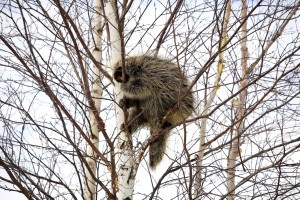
(152, 89)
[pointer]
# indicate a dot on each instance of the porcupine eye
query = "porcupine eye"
(137, 69)
(118, 76)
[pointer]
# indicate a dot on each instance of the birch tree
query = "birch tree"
(240, 104)
(57, 141)
(208, 102)
(96, 92)
(124, 182)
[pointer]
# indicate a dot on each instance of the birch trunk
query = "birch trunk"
(125, 181)
(91, 186)
(235, 145)
(208, 102)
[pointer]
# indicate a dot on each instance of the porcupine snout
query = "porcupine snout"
(118, 76)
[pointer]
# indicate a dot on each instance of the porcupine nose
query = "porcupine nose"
(118, 76)
(126, 78)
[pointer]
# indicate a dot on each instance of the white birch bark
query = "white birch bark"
(208, 102)
(91, 186)
(235, 144)
(125, 154)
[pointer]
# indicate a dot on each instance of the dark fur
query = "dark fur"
(152, 88)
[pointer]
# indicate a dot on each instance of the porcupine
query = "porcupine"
(153, 90)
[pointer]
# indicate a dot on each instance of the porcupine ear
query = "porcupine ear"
(118, 76)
